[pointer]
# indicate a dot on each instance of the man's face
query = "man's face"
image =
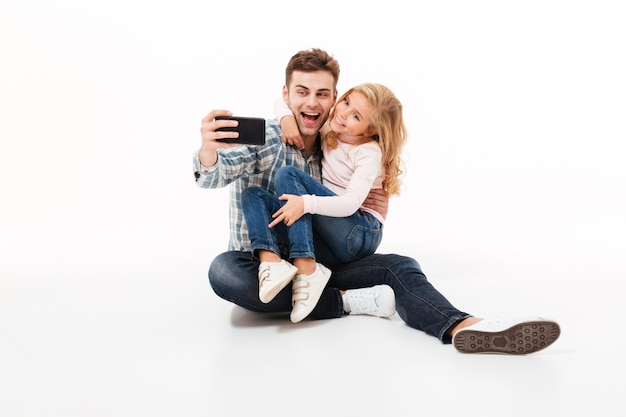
(310, 97)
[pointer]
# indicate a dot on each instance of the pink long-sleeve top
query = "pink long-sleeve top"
(350, 171)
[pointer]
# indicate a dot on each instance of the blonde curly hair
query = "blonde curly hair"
(387, 120)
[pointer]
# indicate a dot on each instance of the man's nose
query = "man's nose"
(312, 100)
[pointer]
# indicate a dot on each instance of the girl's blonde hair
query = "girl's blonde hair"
(387, 120)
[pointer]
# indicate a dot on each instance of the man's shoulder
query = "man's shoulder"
(272, 122)
(273, 132)
(274, 136)
(273, 126)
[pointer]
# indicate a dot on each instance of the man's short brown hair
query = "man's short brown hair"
(311, 60)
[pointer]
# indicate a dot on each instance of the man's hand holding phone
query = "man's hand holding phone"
(220, 129)
(209, 134)
(251, 130)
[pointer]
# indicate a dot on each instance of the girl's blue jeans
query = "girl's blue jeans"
(330, 240)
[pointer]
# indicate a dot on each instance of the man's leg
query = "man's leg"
(418, 303)
(233, 276)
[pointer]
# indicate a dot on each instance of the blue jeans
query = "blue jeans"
(233, 277)
(330, 240)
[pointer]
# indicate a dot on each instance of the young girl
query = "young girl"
(361, 144)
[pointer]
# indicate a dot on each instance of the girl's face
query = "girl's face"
(352, 118)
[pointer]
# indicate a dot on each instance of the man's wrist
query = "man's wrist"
(207, 162)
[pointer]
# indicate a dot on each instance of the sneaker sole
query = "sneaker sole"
(520, 339)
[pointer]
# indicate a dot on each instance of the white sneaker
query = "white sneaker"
(273, 277)
(379, 301)
(306, 292)
(515, 337)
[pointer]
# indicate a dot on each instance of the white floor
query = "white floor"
(100, 327)
(514, 205)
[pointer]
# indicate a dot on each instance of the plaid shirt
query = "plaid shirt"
(247, 166)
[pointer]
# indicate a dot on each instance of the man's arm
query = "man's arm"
(235, 161)
(378, 200)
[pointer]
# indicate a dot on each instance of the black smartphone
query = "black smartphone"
(251, 130)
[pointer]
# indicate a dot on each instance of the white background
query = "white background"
(514, 204)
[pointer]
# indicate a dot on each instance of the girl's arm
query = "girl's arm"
(367, 168)
(291, 133)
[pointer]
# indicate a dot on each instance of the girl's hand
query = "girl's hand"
(290, 212)
(291, 133)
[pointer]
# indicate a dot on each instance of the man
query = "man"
(377, 285)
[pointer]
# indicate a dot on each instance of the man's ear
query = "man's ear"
(286, 95)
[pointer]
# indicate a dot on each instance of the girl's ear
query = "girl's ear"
(372, 131)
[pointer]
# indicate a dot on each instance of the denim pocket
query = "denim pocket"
(364, 240)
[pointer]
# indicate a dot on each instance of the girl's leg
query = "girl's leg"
(312, 277)
(291, 180)
(344, 239)
(258, 206)
(274, 273)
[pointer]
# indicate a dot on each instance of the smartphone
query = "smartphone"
(251, 130)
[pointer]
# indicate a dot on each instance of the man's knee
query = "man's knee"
(230, 271)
